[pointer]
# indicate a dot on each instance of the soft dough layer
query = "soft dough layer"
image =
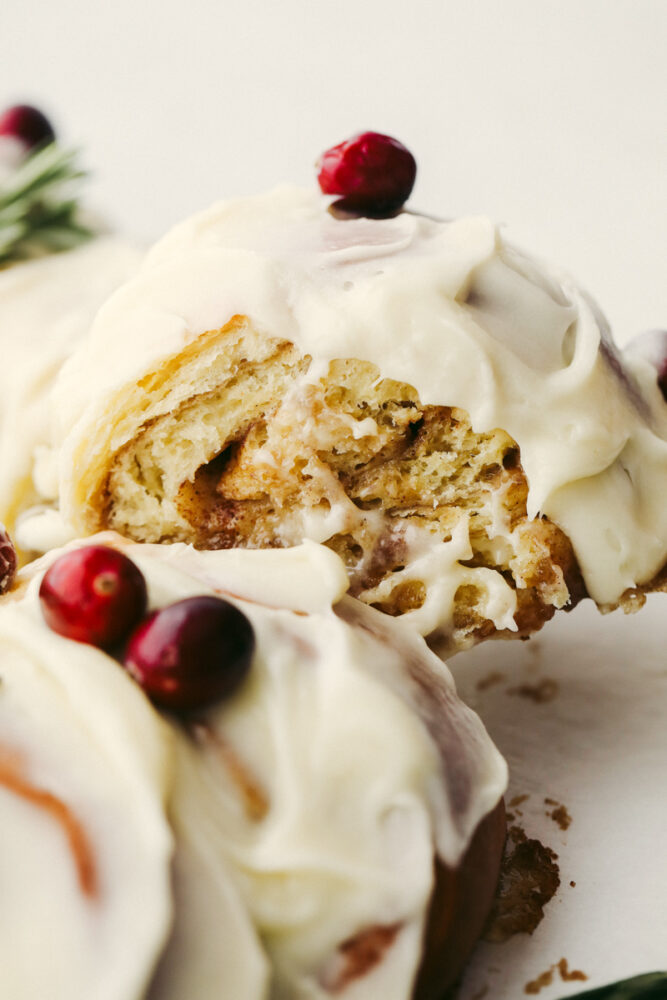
(444, 413)
(310, 812)
(404, 493)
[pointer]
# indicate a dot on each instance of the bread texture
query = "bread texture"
(242, 447)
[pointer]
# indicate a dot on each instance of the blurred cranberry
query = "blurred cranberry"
(27, 124)
(191, 653)
(8, 561)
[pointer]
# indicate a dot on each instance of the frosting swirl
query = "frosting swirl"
(305, 810)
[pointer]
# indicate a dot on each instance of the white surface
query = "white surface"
(549, 117)
(599, 747)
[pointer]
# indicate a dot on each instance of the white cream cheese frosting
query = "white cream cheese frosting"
(46, 307)
(449, 307)
(329, 782)
(85, 907)
(305, 809)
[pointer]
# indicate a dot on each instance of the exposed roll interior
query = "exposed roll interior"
(264, 451)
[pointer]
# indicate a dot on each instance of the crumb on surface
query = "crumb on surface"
(529, 878)
(568, 975)
(495, 677)
(546, 978)
(559, 814)
(542, 692)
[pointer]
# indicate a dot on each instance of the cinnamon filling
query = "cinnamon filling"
(358, 955)
(422, 466)
(79, 844)
(354, 460)
(254, 798)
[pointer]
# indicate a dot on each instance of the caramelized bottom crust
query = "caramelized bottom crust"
(460, 905)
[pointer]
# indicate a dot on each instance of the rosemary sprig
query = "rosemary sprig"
(38, 207)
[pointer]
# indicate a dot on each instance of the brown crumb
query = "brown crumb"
(517, 801)
(559, 815)
(495, 677)
(572, 885)
(540, 693)
(529, 878)
(570, 976)
(545, 979)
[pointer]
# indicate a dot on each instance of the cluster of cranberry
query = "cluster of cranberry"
(185, 656)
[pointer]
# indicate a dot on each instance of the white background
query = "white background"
(550, 117)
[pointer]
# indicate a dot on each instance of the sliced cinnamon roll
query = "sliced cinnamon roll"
(444, 413)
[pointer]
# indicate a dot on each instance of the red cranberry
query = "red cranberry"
(191, 653)
(27, 124)
(652, 346)
(93, 594)
(8, 561)
(373, 173)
